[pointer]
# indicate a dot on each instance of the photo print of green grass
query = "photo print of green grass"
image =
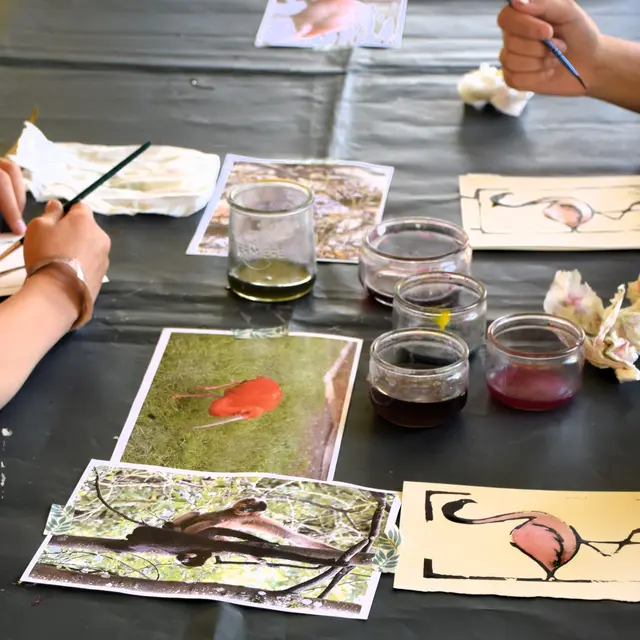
(211, 401)
(266, 541)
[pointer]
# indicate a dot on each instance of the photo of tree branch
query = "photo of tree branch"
(350, 200)
(273, 542)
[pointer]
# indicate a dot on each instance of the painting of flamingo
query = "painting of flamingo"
(478, 540)
(245, 400)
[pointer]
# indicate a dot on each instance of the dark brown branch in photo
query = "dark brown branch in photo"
(154, 540)
(50, 573)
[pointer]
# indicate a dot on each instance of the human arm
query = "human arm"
(34, 319)
(609, 66)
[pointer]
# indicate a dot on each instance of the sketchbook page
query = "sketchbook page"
(350, 200)
(512, 542)
(210, 401)
(551, 214)
(12, 281)
(151, 531)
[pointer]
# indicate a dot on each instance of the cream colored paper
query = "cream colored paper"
(502, 558)
(545, 214)
(12, 272)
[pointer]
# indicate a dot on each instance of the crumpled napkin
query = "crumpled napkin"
(172, 181)
(12, 271)
(612, 334)
(486, 85)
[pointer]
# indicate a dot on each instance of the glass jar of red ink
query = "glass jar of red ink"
(534, 362)
(418, 377)
(396, 249)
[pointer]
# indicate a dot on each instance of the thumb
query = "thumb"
(555, 12)
(53, 212)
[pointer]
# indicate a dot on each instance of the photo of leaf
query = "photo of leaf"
(264, 541)
(350, 200)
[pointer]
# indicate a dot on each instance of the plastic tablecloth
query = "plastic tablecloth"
(120, 72)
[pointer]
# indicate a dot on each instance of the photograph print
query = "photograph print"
(520, 543)
(332, 23)
(350, 200)
(211, 401)
(290, 544)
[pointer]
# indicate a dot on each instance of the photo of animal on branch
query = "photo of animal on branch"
(265, 541)
(213, 402)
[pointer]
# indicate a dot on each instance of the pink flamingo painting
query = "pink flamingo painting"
(547, 540)
(327, 16)
(240, 400)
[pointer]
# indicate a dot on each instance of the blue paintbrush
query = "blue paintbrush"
(558, 54)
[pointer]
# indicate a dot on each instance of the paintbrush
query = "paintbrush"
(90, 189)
(563, 59)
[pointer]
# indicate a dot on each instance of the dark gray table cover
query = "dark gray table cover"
(120, 72)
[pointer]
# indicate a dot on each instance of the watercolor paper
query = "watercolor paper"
(350, 200)
(272, 542)
(551, 214)
(270, 405)
(512, 542)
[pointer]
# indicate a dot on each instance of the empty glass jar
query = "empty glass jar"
(442, 301)
(396, 249)
(272, 255)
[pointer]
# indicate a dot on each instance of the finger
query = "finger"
(521, 81)
(531, 48)
(9, 208)
(53, 212)
(518, 24)
(80, 209)
(524, 64)
(16, 178)
(556, 12)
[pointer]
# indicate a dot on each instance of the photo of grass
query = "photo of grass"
(350, 200)
(213, 402)
(290, 544)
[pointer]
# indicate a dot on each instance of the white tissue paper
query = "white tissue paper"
(164, 180)
(12, 271)
(486, 86)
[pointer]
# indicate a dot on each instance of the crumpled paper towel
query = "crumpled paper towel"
(612, 334)
(486, 85)
(164, 180)
(12, 271)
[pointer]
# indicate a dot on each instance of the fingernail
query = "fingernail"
(52, 205)
(21, 227)
(522, 1)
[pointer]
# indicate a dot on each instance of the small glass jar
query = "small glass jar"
(272, 253)
(535, 361)
(418, 378)
(449, 302)
(396, 249)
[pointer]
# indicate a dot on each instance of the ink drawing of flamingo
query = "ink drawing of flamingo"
(245, 400)
(547, 540)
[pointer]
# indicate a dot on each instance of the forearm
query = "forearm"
(31, 322)
(617, 78)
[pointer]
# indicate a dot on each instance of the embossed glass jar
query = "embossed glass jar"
(272, 254)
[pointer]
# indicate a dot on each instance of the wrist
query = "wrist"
(605, 49)
(54, 289)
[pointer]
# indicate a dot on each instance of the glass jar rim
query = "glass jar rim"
(464, 281)
(245, 186)
(441, 225)
(437, 336)
(543, 321)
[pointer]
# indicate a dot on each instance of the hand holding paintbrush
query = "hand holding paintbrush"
(537, 34)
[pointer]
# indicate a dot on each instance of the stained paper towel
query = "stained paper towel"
(164, 180)
(12, 271)
(486, 85)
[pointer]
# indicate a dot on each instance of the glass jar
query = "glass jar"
(449, 302)
(534, 361)
(418, 378)
(272, 254)
(396, 249)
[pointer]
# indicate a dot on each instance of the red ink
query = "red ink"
(530, 389)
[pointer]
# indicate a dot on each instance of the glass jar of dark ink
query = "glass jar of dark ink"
(396, 249)
(418, 378)
(534, 362)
